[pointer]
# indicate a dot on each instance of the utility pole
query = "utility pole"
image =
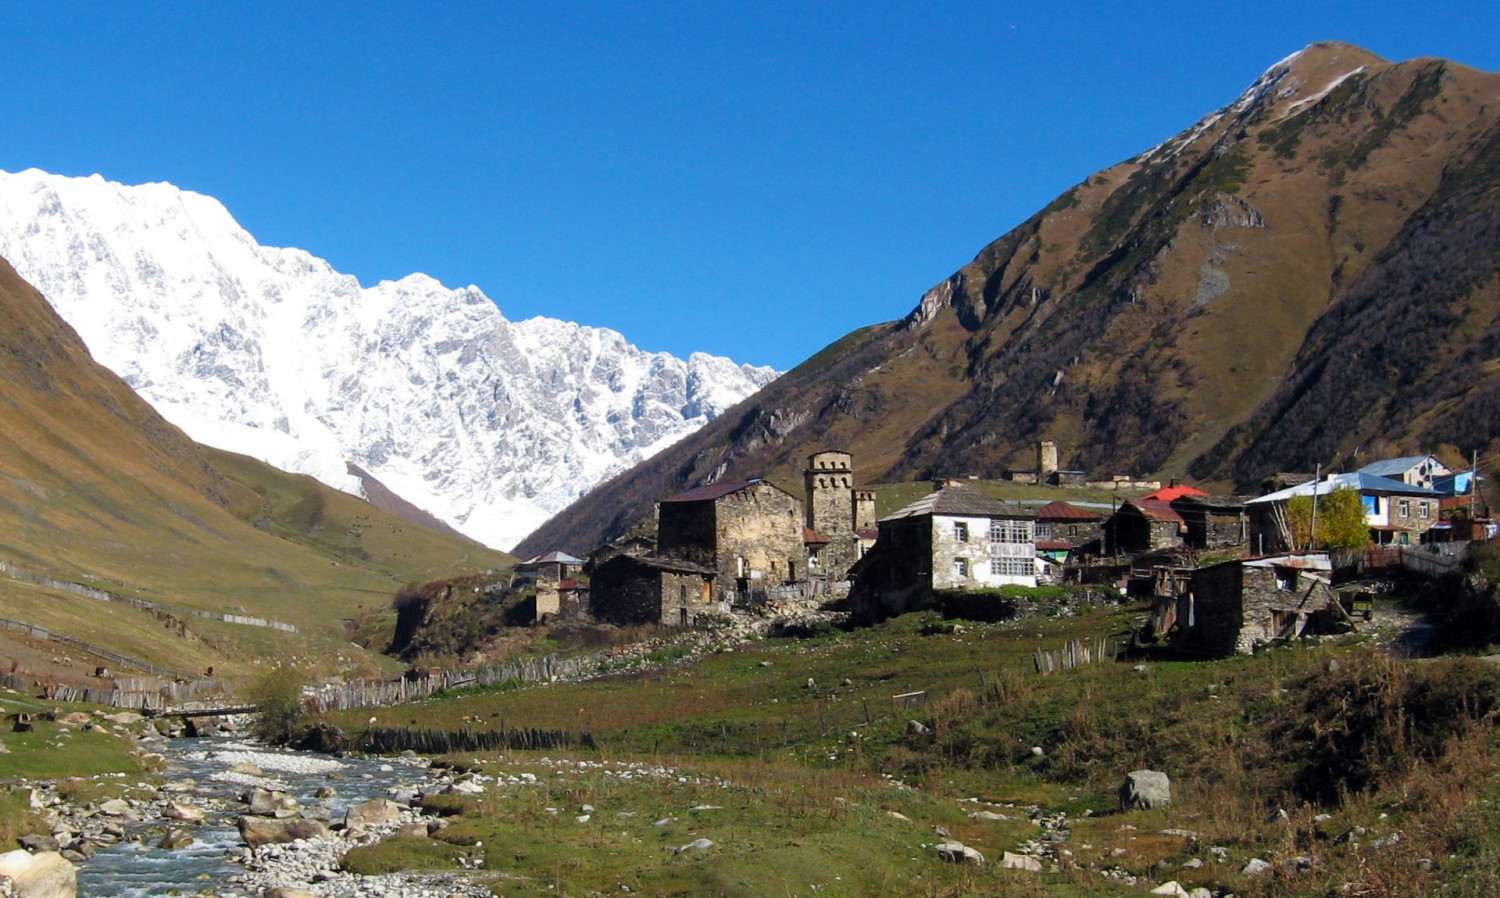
(1473, 488)
(1312, 538)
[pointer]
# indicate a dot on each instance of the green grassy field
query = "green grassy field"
(803, 778)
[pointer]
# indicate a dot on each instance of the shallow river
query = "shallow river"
(137, 867)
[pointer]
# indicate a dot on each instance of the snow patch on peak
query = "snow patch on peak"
(491, 425)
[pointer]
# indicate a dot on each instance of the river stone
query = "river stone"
(258, 831)
(117, 807)
(266, 802)
(288, 892)
(176, 838)
(375, 812)
(188, 813)
(411, 831)
(36, 844)
(246, 768)
(1145, 789)
(45, 875)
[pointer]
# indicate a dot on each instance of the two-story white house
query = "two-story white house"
(954, 538)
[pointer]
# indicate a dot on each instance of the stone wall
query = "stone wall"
(686, 530)
(759, 536)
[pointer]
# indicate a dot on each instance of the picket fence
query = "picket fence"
(1074, 653)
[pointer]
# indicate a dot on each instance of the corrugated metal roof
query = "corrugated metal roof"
(959, 500)
(1170, 493)
(1358, 480)
(1395, 467)
(1062, 511)
(555, 558)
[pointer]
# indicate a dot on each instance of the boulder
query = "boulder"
(117, 807)
(176, 838)
(258, 831)
(411, 831)
(246, 768)
(269, 803)
(375, 812)
(696, 845)
(288, 892)
(188, 813)
(1172, 889)
(1255, 867)
(959, 853)
(1026, 862)
(40, 844)
(1145, 789)
(45, 875)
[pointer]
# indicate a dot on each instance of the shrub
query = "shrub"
(277, 695)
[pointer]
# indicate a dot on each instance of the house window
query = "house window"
(1043, 531)
(1403, 508)
(997, 531)
(961, 531)
(1286, 578)
(961, 568)
(1008, 566)
(1423, 510)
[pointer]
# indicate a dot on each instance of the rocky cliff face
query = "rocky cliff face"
(1302, 274)
(489, 424)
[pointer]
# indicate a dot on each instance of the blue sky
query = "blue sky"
(752, 180)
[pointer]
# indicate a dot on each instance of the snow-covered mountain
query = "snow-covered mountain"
(489, 424)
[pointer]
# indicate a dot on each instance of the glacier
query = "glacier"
(490, 425)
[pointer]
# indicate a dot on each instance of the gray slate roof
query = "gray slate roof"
(959, 500)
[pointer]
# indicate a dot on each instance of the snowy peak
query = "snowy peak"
(489, 424)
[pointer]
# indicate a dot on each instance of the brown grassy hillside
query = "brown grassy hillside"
(97, 489)
(1307, 271)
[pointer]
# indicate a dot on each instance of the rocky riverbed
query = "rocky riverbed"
(233, 818)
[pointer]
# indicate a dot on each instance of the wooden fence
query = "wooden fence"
(98, 650)
(90, 592)
(442, 742)
(1074, 653)
(378, 693)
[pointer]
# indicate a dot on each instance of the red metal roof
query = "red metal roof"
(1053, 545)
(1062, 511)
(1171, 493)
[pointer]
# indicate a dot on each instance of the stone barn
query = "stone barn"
(1232, 607)
(629, 589)
(749, 532)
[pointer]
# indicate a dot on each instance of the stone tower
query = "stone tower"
(864, 510)
(829, 480)
(1046, 461)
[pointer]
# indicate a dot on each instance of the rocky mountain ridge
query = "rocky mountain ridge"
(488, 424)
(1305, 276)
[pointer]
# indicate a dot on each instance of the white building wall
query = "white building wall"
(964, 557)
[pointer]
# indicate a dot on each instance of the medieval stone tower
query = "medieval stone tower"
(1046, 461)
(829, 480)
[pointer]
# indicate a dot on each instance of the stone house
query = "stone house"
(836, 515)
(953, 538)
(1396, 512)
(631, 589)
(1063, 529)
(1214, 522)
(750, 533)
(1144, 525)
(559, 591)
(1235, 606)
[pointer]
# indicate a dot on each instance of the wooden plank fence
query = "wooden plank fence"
(378, 693)
(438, 742)
(1074, 653)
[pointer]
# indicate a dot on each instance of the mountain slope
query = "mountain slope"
(488, 424)
(97, 489)
(1308, 270)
